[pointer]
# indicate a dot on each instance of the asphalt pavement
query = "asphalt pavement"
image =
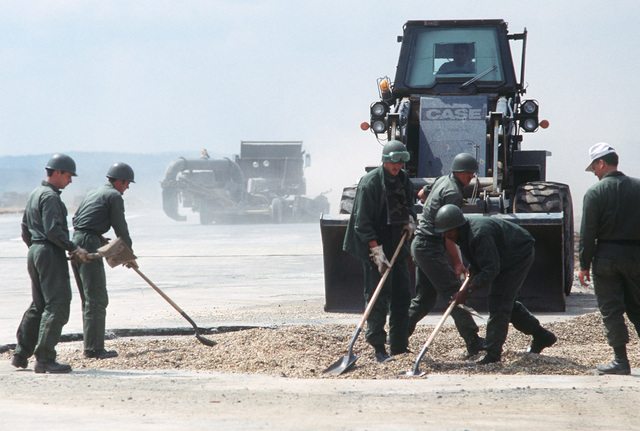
(265, 275)
(220, 275)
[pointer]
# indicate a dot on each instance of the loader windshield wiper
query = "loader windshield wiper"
(477, 77)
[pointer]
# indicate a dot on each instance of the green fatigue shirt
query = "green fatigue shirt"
(609, 214)
(490, 245)
(45, 218)
(445, 190)
(101, 209)
(371, 215)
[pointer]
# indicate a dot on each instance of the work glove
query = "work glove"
(80, 255)
(131, 264)
(378, 258)
(410, 227)
(461, 295)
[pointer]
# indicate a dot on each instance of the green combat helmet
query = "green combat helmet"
(449, 217)
(62, 162)
(464, 162)
(395, 152)
(120, 171)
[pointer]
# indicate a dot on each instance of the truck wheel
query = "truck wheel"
(275, 211)
(205, 216)
(546, 196)
(346, 201)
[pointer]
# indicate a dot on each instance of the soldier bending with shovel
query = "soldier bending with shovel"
(500, 254)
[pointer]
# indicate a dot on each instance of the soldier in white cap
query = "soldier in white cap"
(610, 249)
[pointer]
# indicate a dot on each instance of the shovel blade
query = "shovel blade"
(414, 373)
(341, 365)
(205, 341)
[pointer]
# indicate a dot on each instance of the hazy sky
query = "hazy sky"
(153, 75)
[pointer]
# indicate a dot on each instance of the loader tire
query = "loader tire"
(346, 201)
(546, 196)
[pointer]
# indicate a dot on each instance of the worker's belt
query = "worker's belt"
(620, 242)
(87, 232)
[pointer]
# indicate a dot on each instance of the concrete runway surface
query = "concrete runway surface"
(268, 275)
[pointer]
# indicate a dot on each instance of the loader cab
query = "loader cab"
(441, 57)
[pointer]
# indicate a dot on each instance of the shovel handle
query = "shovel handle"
(416, 367)
(376, 293)
(157, 289)
(446, 313)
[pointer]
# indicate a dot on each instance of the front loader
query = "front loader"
(456, 90)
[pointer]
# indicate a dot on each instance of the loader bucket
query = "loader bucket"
(543, 289)
(343, 273)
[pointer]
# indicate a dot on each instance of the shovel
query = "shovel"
(416, 368)
(346, 362)
(117, 253)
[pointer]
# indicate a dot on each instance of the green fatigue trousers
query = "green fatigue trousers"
(435, 276)
(504, 308)
(92, 285)
(42, 323)
(616, 281)
(394, 300)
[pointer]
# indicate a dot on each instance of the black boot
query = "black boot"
(19, 361)
(52, 367)
(619, 365)
(541, 339)
(616, 366)
(488, 359)
(400, 351)
(474, 347)
(381, 354)
(100, 354)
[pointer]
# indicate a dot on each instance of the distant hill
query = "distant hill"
(21, 174)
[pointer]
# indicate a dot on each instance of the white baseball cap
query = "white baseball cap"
(598, 150)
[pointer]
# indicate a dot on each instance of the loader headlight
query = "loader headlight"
(265, 163)
(528, 115)
(379, 126)
(529, 124)
(530, 107)
(379, 109)
(255, 165)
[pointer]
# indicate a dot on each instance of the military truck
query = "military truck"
(265, 183)
(456, 90)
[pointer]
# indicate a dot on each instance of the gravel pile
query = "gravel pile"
(305, 351)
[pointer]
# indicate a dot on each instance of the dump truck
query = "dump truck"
(456, 90)
(264, 183)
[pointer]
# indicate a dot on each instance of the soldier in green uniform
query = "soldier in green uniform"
(45, 231)
(500, 254)
(610, 248)
(100, 210)
(382, 211)
(434, 274)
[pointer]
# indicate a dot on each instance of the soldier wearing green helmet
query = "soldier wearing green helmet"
(45, 231)
(500, 254)
(100, 210)
(432, 253)
(382, 212)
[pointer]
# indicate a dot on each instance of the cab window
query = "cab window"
(448, 54)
